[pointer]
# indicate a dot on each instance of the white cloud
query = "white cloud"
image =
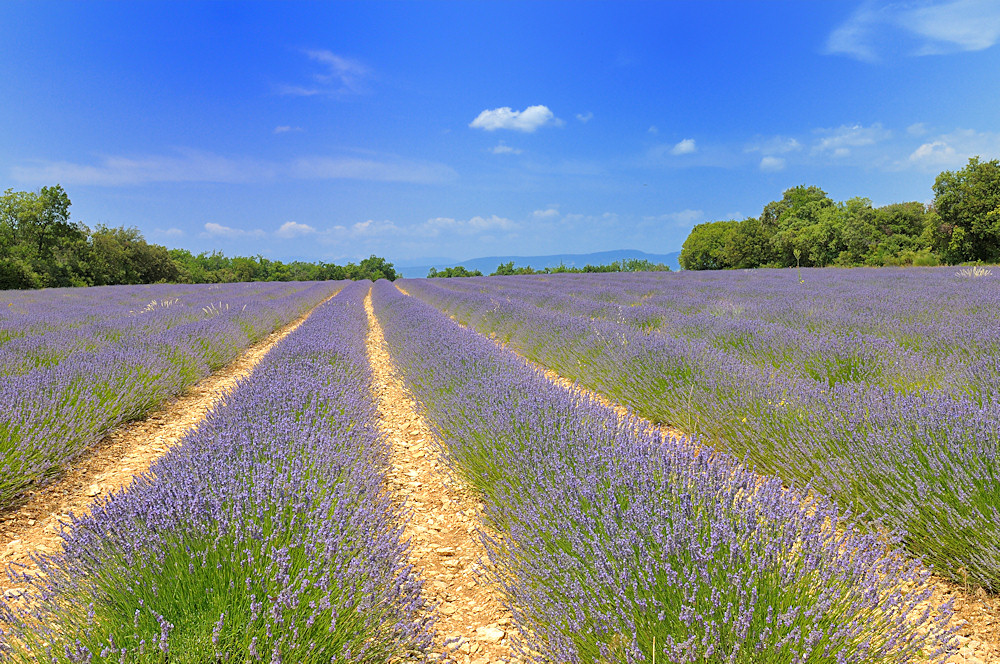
(953, 150)
(527, 120)
(213, 229)
(585, 117)
(185, 166)
(917, 28)
(840, 140)
(547, 213)
(774, 145)
(475, 225)
(291, 229)
(500, 148)
(341, 76)
(169, 232)
(917, 129)
(379, 170)
(284, 129)
(653, 129)
(687, 146)
(772, 164)
(196, 166)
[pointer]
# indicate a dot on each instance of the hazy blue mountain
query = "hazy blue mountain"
(489, 264)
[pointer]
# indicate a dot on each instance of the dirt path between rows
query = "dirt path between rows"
(110, 465)
(978, 639)
(472, 626)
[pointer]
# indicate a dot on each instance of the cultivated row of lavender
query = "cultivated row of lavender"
(903, 329)
(93, 358)
(924, 461)
(615, 544)
(265, 536)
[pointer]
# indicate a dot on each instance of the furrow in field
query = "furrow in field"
(978, 640)
(109, 466)
(472, 626)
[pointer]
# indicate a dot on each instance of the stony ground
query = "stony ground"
(472, 626)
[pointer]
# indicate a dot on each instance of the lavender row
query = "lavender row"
(265, 536)
(922, 462)
(907, 330)
(109, 363)
(615, 544)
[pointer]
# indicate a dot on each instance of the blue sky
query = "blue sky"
(330, 131)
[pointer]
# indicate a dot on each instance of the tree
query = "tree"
(967, 203)
(457, 271)
(704, 248)
(747, 245)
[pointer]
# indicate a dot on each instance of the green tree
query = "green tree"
(747, 246)
(967, 203)
(705, 247)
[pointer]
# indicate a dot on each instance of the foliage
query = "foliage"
(624, 265)
(40, 247)
(808, 229)
(457, 271)
(968, 206)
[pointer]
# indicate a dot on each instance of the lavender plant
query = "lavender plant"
(266, 535)
(877, 389)
(615, 544)
(76, 362)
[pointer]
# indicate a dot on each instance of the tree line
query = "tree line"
(40, 247)
(508, 269)
(807, 228)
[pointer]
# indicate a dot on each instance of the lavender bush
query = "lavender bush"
(879, 389)
(266, 535)
(614, 544)
(76, 362)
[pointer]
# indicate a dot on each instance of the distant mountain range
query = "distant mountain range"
(489, 264)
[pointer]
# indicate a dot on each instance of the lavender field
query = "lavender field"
(879, 389)
(841, 435)
(76, 362)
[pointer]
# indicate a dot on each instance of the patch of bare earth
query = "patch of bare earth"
(977, 613)
(472, 626)
(33, 526)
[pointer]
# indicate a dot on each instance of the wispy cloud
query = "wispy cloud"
(585, 117)
(284, 129)
(953, 150)
(215, 230)
(526, 121)
(381, 170)
(772, 164)
(774, 145)
(546, 213)
(839, 141)
(501, 148)
(880, 28)
(432, 228)
(341, 76)
(197, 166)
(292, 229)
(687, 146)
(184, 166)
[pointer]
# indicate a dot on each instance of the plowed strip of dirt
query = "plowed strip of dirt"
(472, 627)
(978, 613)
(109, 466)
